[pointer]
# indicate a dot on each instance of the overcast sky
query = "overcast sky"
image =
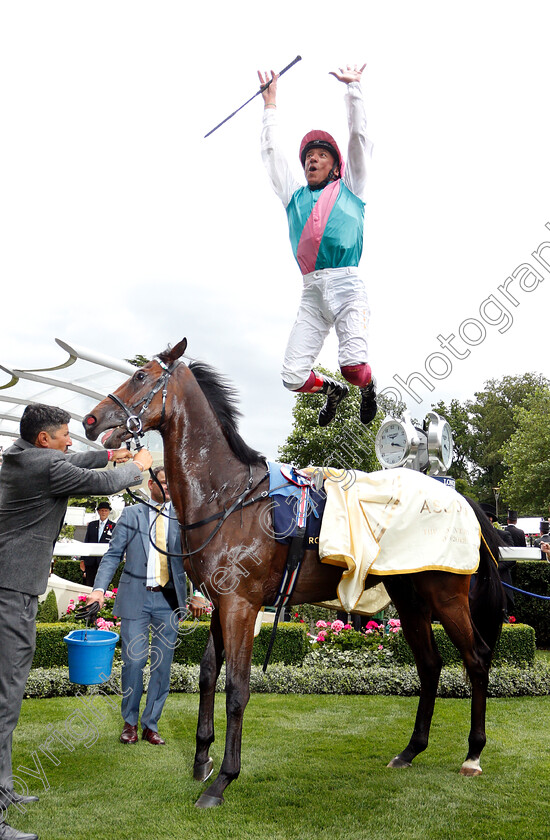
(123, 229)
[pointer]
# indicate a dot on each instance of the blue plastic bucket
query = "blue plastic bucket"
(90, 655)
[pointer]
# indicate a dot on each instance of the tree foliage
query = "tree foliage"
(486, 427)
(525, 456)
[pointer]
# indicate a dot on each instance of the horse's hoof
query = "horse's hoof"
(399, 762)
(471, 767)
(202, 772)
(206, 801)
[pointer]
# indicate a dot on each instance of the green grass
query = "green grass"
(314, 768)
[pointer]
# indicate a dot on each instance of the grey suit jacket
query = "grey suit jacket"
(131, 537)
(35, 485)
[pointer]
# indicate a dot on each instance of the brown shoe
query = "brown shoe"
(152, 737)
(129, 734)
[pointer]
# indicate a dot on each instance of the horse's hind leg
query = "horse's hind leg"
(476, 655)
(415, 618)
(211, 664)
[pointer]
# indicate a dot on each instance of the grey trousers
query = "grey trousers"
(17, 644)
(134, 636)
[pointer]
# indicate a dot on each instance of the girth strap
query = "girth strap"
(294, 560)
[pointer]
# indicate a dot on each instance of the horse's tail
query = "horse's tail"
(487, 597)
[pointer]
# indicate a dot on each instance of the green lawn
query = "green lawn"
(314, 768)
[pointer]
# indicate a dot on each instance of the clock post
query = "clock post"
(427, 448)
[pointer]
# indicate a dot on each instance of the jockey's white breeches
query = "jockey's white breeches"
(330, 297)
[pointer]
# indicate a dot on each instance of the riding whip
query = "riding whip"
(262, 88)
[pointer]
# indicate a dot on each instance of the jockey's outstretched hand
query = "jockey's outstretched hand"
(350, 74)
(270, 93)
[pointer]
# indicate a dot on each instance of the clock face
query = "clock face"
(446, 445)
(392, 445)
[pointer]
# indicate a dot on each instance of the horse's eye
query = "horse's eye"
(140, 376)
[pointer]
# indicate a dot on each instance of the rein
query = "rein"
(134, 426)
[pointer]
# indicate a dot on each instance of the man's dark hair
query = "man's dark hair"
(158, 470)
(38, 417)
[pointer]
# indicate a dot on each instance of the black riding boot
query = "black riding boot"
(368, 409)
(336, 392)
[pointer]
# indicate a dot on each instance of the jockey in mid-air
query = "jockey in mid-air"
(325, 220)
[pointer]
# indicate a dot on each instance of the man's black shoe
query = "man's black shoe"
(368, 409)
(7, 832)
(336, 392)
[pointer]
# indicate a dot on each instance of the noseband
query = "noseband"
(133, 423)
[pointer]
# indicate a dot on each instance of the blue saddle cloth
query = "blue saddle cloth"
(286, 491)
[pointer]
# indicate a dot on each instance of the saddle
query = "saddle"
(297, 504)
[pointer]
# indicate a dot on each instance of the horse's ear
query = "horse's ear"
(178, 351)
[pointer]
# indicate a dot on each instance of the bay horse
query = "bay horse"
(230, 552)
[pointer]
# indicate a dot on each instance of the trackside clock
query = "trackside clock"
(427, 448)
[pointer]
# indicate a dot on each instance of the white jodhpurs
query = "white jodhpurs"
(330, 297)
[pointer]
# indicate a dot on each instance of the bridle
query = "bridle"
(133, 422)
(134, 426)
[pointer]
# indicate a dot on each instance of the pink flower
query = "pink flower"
(81, 597)
(321, 637)
(372, 625)
(512, 619)
(368, 632)
(347, 627)
(380, 647)
(115, 590)
(321, 623)
(337, 625)
(394, 622)
(70, 607)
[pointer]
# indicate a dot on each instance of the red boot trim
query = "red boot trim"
(314, 383)
(359, 375)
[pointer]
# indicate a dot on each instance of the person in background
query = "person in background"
(504, 566)
(98, 531)
(518, 536)
(151, 588)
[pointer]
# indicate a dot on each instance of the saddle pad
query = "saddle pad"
(286, 499)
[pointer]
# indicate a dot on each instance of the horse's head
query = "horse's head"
(138, 405)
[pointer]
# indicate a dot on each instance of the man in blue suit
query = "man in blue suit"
(152, 594)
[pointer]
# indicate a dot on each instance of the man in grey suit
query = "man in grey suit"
(152, 594)
(36, 480)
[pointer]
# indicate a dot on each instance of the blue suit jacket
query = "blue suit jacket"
(131, 537)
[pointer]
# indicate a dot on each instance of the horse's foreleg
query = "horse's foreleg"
(417, 629)
(211, 664)
(238, 634)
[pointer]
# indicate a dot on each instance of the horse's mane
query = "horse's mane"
(223, 401)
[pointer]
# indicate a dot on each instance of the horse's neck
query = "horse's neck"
(201, 469)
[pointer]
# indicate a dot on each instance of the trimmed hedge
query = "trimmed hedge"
(290, 647)
(533, 576)
(291, 644)
(51, 650)
(516, 645)
(47, 611)
(69, 569)
(506, 681)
